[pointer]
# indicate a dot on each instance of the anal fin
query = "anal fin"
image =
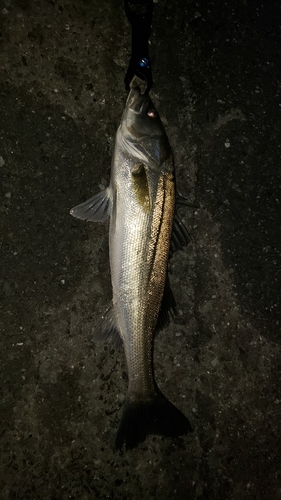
(106, 329)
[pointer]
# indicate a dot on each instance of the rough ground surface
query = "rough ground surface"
(216, 68)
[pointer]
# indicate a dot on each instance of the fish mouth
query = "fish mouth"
(137, 96)
(140, 84)
(136, 100)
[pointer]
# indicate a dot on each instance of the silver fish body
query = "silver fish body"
(140, 202)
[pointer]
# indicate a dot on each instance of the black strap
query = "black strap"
(139, 13)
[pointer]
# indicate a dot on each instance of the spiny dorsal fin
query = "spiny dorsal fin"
(180, 235)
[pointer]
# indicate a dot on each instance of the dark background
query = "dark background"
(216, 69)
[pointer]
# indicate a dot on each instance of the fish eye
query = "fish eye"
(151, 113)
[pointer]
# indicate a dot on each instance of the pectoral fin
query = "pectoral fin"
(96, 209)
(140, 186)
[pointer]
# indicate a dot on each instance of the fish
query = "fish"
(144, 230)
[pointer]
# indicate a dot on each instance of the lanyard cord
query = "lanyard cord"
(139, 14)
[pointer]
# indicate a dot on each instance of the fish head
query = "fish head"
(140, 116)
(143, 133)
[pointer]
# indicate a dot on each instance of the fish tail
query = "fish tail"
(156, 416)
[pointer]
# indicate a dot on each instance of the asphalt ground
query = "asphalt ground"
(216, 69)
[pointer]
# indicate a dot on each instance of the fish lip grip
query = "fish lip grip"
(139, 14)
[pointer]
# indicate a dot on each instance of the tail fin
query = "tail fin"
(156, 416)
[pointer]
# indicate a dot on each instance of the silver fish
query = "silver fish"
(144, 229)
